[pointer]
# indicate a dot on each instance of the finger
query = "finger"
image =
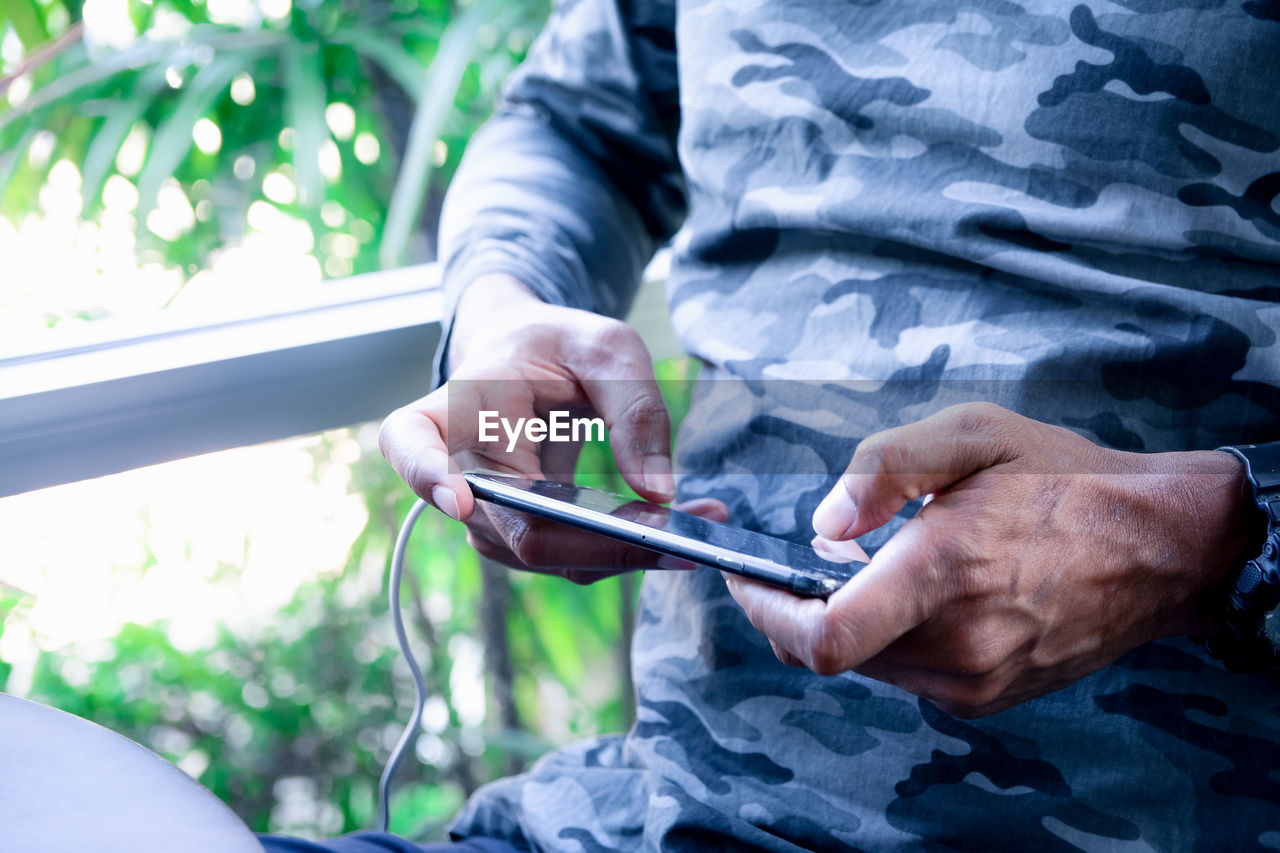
(895, 592)
(489, 544)
(708, 508)
(784, 656)
(625, 393)
(414, 439)
(551, 547)
(525, 541)
(480, 526)
(787, 620)
(581, 575)
(902, 464)
(559, 460)
(902, 586)
(493, 393)
(839, 550)
(492, 550)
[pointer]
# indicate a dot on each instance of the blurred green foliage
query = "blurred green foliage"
(379, 94)
(292, 725)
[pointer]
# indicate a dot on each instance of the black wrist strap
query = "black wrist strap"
(1249, 640)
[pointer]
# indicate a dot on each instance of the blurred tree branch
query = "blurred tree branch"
(43, 56)
(494, 606)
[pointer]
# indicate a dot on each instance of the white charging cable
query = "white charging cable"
(419, 685)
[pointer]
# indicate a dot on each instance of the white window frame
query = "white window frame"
(114, 395)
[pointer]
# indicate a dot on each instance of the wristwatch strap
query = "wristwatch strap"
(1249, 640)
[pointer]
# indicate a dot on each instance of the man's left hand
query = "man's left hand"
(1038, 558)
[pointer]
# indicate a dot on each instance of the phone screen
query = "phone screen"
(797, 568)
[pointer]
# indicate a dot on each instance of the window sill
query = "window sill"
(115, 397)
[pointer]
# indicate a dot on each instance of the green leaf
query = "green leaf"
(145, 53)
(70, 83)
(196, 13)
(10, 599)
(172, 139)
(305, 91)
(401, 66)
(457, 46)
(101, 154)
(12, 158)
(27, 22)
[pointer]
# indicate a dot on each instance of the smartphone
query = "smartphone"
(798, 569)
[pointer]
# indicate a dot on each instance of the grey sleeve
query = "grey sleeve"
(574, 183)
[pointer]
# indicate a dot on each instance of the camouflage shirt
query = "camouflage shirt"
(1074, 207)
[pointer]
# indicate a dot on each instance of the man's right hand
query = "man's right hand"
(512, 353)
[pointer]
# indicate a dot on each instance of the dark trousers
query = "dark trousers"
(380, 842)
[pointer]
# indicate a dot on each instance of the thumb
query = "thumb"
(908, 462)
(896, 592)
(625, 393)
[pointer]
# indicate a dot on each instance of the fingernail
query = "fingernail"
(656, 474)
(837, 550)
(446, 501)
(836, 514)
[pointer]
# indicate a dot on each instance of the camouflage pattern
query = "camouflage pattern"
(1074, 208)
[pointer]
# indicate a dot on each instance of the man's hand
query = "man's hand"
(514, 354)
(1037, 559)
